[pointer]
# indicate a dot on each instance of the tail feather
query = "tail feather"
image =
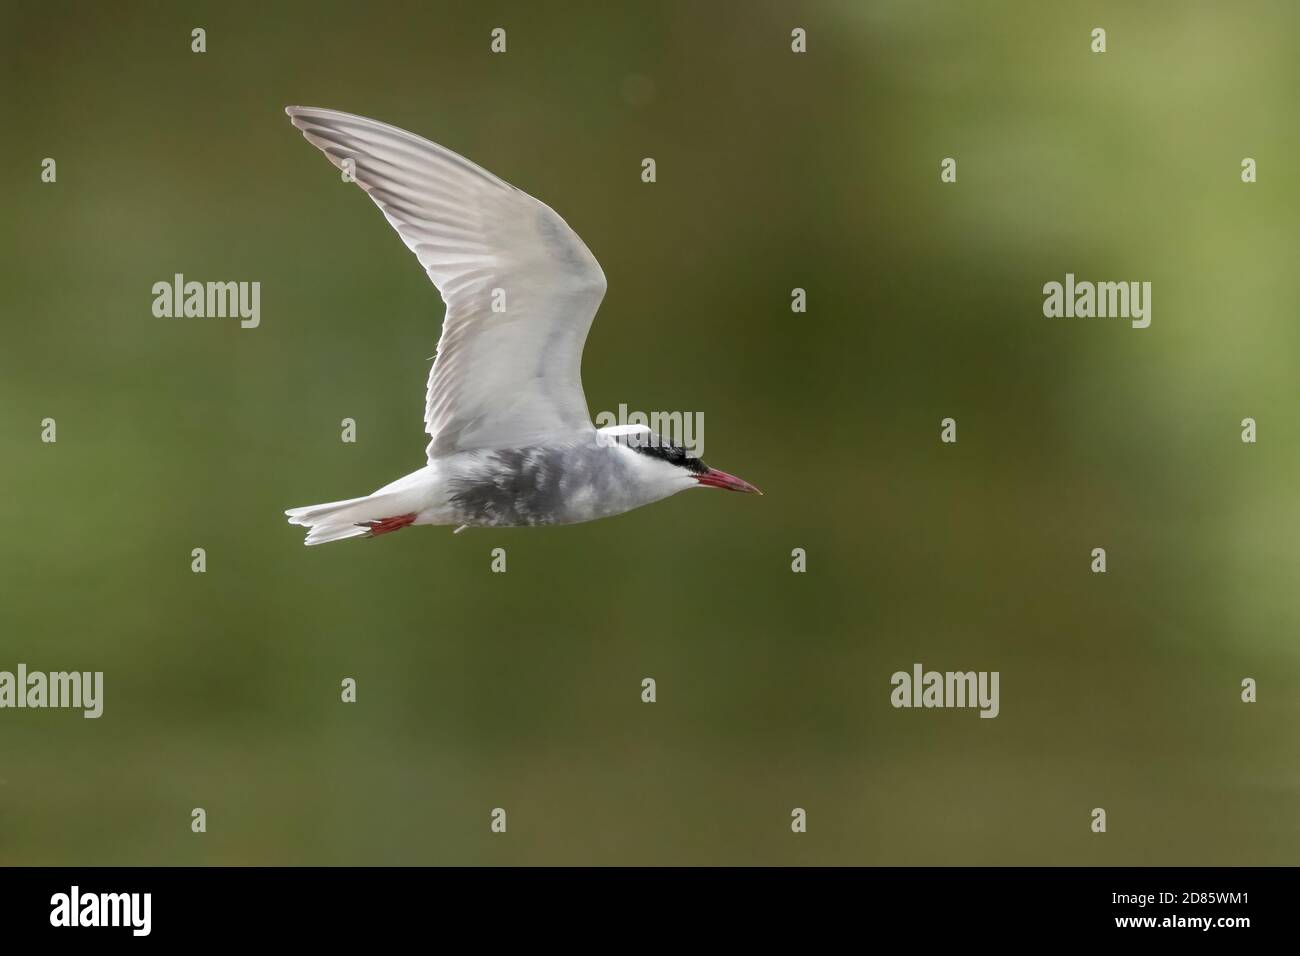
(338, 520)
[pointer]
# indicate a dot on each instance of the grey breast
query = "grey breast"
(541, 485)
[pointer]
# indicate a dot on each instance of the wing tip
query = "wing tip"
(294, 112)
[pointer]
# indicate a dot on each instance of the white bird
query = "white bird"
(512, 442)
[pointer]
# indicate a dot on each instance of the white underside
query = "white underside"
(426, 493)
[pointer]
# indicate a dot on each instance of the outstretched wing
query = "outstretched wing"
(521, 288)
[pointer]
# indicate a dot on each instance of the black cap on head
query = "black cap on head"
(655, 447)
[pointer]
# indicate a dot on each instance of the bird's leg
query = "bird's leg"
(385, 525)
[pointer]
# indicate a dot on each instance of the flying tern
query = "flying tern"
(511, 440)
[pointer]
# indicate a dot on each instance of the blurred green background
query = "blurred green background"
(522, 691)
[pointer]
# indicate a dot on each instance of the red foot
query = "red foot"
(385, 525)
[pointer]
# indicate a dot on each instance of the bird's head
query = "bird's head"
(673, 463)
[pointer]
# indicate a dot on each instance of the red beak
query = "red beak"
(720, 479)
